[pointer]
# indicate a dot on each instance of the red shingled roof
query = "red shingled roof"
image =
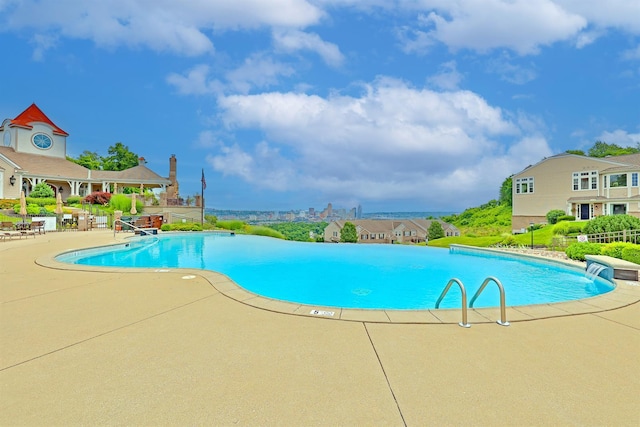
(35, 114)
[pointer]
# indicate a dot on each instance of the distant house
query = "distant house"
(34, 150)
(388, 231)
(585, 187)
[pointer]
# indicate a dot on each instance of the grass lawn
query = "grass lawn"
(541, 237)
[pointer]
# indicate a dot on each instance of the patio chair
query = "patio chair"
(38, 226)
(7, 225)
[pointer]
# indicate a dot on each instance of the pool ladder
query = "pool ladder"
(503, 311)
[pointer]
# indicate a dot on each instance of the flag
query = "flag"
(204, 182)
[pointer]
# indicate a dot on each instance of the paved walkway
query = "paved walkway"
(162, 348)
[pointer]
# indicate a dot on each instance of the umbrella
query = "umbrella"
(23, 206)
(133, 204)
(59, 204)
(58, 210)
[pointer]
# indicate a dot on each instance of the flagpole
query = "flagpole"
(202, 199)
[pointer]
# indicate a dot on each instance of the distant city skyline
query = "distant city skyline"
(392, 105)
(311, 214)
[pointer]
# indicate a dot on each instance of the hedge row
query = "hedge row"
(621, 250)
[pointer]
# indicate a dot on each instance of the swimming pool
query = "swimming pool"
(351, 275)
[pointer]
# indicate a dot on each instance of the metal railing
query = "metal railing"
(503, 310)
(464, 322)
(632, 236)
(143, 231)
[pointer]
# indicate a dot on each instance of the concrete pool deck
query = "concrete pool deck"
(169, 348)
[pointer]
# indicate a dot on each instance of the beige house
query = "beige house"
(585, 187)
(34, 150)
(388, 231)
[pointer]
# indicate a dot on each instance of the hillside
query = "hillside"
(490, 219)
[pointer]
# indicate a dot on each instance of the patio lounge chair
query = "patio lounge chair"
(8, 235)
(38, 226)
(7, 225)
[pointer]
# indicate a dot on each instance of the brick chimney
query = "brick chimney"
(172, 190)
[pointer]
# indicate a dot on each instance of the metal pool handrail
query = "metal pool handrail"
(503, 310)
(464, 323)
(143, 231)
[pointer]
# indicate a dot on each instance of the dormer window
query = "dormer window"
(42, 141)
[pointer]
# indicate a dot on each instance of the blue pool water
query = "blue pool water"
(351, 275)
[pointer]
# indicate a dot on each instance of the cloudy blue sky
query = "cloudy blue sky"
(414, 105)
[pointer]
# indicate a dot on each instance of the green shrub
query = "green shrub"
(7, 203)
(265, 231)
(73, 200)
(565, 228)
(33, 210)
(553, 215)
(508, 240)
(181, 226)
(610, 223)
(578, 251)
(615, 249)
(120, 202)
(566, 218)
(42, 190)
(41, 201)
(210, 219)
(233, 224)
(631, 253)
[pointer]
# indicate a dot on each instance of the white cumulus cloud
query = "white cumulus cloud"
(393, 142)
(196, 81)
(620, 137)
(294, 40)
(520, 25)
(182, 27)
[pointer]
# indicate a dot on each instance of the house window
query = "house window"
(381, 236)
(585, 180)
(364, 236)
(524, 185)
(634, 179)
(618, 180)
(372, 237)
(619, 209)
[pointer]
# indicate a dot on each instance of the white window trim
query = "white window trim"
(528, 181)
(591, 177)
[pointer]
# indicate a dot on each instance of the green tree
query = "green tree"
(602, 149)
(301, 231)
(119, 158)
(348, 234)
(89, 159)
(210, 219)
(42, 191)
(578, 152)
(436, 231)
(506, 192)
